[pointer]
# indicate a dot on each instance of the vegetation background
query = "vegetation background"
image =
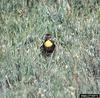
(75, 68)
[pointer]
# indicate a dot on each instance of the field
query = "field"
(75, 67)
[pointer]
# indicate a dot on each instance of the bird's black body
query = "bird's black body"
(47, 51)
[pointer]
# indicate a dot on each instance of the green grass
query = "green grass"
(24, 73)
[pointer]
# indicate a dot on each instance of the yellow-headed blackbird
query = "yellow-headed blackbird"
(48, 45)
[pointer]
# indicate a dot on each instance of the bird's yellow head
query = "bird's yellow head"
(48, 43)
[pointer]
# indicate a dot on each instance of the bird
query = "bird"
(48, 46)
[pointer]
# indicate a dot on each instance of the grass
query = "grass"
(24, 73)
